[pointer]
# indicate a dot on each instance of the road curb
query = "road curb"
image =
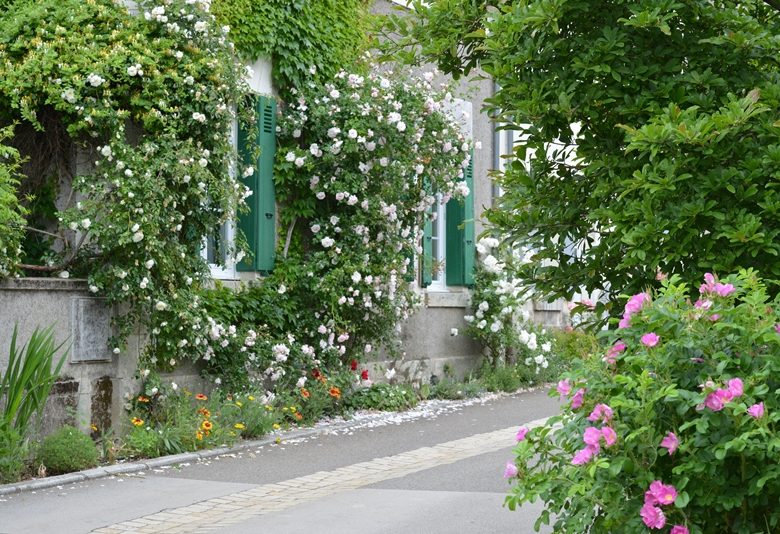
(164, 461)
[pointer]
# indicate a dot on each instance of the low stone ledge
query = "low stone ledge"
(43, 284)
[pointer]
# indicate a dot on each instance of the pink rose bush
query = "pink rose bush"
(673, 427)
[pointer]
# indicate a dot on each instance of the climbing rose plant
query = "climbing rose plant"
(500, 319)
(358, 161)
(674, 428)
(147, 101)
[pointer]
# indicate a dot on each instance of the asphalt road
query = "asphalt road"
(462, 496)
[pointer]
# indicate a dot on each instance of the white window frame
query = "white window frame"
(439, 234)
(228, 270)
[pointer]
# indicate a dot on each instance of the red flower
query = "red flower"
(364, 374)
(353, 365)
(316, 373)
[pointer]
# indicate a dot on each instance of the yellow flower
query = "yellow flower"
(284, 409)
(269, 407)
(206, 425)
(199, 435)
(240, 426)
(277, 426)
(136, 421)
(239, 404)
(293, 409)
(94, 427)
(250, 397)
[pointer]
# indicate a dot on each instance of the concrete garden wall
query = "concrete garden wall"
(94, 382)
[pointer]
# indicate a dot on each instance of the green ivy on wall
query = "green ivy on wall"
(306, 39)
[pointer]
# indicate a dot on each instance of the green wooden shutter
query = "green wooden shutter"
(259, 223)
(454, 243)
(426, 274)
(469, 248)
(460, 236)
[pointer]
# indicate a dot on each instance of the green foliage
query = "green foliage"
(452, 390)
(572, 346)
(714, 363)
(305, 40)
(12, 455)
(28, 378)
(12, 213)
(150, 99)
(385, 397)
(67, 450)
(660, 125)
(248, 415)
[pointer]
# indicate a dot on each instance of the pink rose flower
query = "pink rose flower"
(564, 387)
(577, 399)
(600, 412)
(614, 351)
(679, 529)
(521, 433)
(652, 516)
(650, 339)
(583, 456)
(757, 410)
(709, 284)
(636, 303)
(736, 388)
(625, 322)
(610, 436)
(670, 442)
(510, 471)
(777, 328)
(724, 290)
(660, 493)
(592, 437)
(705, 304)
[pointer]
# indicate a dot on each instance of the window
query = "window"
(258, 224)
(448, 241)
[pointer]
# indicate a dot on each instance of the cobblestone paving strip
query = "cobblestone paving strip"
(217, 513)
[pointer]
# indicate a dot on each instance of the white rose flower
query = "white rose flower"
(299, 162)
(401, 126)
(352, 133)
(160, 305)
(327, 242)
(138, 237)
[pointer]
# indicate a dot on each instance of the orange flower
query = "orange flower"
(298, 416)
(204, 412)
(201, 396)
(136, 421)
(335, 392)
(199, 435)
(206, 425)
(305, 393)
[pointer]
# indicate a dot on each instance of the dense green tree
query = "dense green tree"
(677, 165)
